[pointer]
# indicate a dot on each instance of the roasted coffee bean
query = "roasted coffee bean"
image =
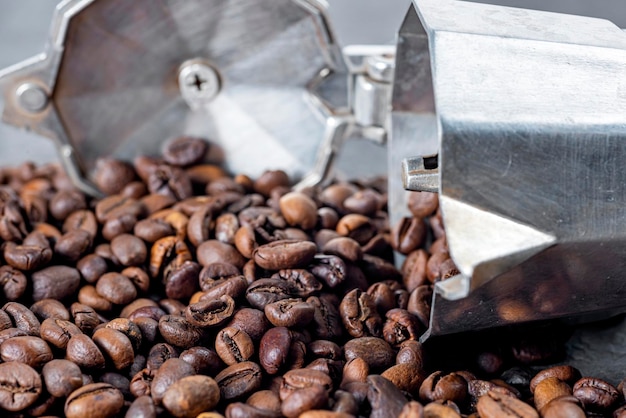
(400, 326)
(306, 399)
(419, 303)
(46, 308)
(326, 318)
(377, 353)
(84, 352)
(214, 251)
(365, 202)
(565, 373)
(191, 395)
(298, 209)
(181, 281)
(29, 350)
(65, 202)
(357, 227)
(172, 370)
(496, 405)
(252, 321)
(359, 315)
(170, 181)
(23, 318)
(239, 380)
(226, 226)
(129, 249)
(385, 398)
(91, 267)
(414, 269)
(13, 283)
(84, 220)
(185, 150)
(284, 254)
(116, 288)
(423, 204)
(55, 282)
(177, 331)
(302, 379)
(289, 313)
(266, 291)
(233, 345)
(344, 247)
(406, 376)
(595, 394)
(331, 270)
(58, 332)
(142, 407)
(549, 389)
(20, 386)
(61, 377)
(234, 286)
(566, 407)
(26, 257)
(116, 346)
(203, 359)
(210, 313)
(152, 230)
(269, 180)
(274, 349)
(303, 283)
(111, 175)
(440, 386)
(98, 400)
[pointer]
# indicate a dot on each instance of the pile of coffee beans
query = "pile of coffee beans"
(190, 293)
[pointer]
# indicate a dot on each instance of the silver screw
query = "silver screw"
(32, 97)
(199, 83)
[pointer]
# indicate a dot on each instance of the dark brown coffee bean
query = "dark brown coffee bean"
(359, 315)
(226, 226)
(55, 282)
(423, 204)
(84, 352)
(115, 346)
(303, 283)
(217, 271)
(330, 269)
(299, 210)
(252, 321)
(365, 202)
(84, 220)
(344, 247)
(274, 349)
(326, 316)
(203, 359)
(233, 345)
(91, 267)
(97, 400)
(325, 349)
(239, 380)
(29, 350)
(357, 227)
(214, 251)
(152, 230)
(58, 332)
(20, 386)
(84, 317)
(400, 326)
(495, 405)
(383, 297)
(13, 283)
(47, 308)
(116, 206)
(265, 291)
(289, 313)
(138, 277)
(151, 311)
(172, 370)
(567, 407)
(386, 399)
(61, 377)
(177, 331)
(185, 150)
(26, 257)
(406, 376)
(567, 374)
(595, 394)
(414, 269)
(284, 254)
(302, 379)
(210, 313)
(65, 202)
(420, 302)
(199, 226)
(306, 399)
(129, 250)
(73, 245)
(376, 352)
(170, 181)
(116, 288)
(189, 396)
(111, 175)
(203, 174)
(142, 407)
(159, 354)
(444, 387)
(23, 318)
(269, 180)
(549, 389)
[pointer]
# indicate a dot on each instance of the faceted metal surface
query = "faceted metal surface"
(112, 68)
(530, 141)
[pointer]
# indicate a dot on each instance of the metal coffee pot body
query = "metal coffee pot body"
(523, 110)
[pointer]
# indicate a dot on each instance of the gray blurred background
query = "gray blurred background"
(24, 28)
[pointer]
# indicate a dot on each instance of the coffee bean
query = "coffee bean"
(252, 321)
(84, 352)
(269, 180)
(191, 395)
(299, 210)
(284, 254)
(23, 318)
(29, 350)
(65, 202)
(359, 315)
(331, 270)
(46, 308)
(142, 407)
(170, 371)
(239, 380)
(375, 351)
(91, 267)
(566, 407)
(357, 227)
(185, 150)
(303, 283)
(170, 181)
(129, 250)
(565, 373)
(26, 257)
(61, 377)
(289, 313)
(233, 345)
(440, 386)
(400, 326)
(83, 220)
(226, 227)
(595, 394)
(115, 346)
(495, 405)
(177, 331)
(210, 313)
(405, 376)
(303, 379)
(98, 400)
(20, 386)
(306, 399)
(326, 318)
(55, 282)
(203, 359)
(13, 283)
(214, 251)
(386, 399)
